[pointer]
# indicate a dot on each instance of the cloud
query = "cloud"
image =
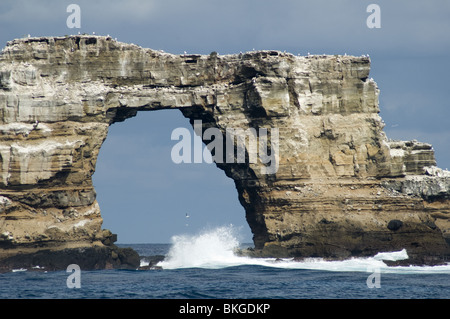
(21, 11)
(322, 26)
(118, 11)
(109, 11)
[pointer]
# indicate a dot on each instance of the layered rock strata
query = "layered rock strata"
(341, 188)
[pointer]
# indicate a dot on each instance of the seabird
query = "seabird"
(187, 215)
(35, 124)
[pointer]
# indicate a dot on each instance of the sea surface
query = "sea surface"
(205, 266)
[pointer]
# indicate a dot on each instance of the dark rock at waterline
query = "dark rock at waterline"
(87, 258)
(128, 259)
(420, 257)
(419, 260)
(152, 262)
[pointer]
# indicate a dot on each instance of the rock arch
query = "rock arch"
(339, 180)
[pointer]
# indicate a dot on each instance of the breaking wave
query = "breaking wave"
(215, 249)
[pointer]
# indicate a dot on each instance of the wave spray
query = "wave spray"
(216, 248)
(210, 249)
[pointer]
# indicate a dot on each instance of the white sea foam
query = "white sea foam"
(214, 249)
(19, 270)
(209, 249)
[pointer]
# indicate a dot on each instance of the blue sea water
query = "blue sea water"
(205, 266)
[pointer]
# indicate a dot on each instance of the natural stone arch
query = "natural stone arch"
(331, 194)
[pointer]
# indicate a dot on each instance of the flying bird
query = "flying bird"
(187, 216)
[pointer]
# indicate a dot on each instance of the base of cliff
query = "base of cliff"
(87, 258)
(414, 258)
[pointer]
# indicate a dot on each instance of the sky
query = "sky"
(143, 195)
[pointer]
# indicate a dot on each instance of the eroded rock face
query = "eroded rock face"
(339, 181)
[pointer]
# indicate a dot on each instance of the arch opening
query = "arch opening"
(144, 196)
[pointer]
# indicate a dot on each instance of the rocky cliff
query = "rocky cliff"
(340, 187)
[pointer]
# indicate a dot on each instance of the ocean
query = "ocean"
(205, 266)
